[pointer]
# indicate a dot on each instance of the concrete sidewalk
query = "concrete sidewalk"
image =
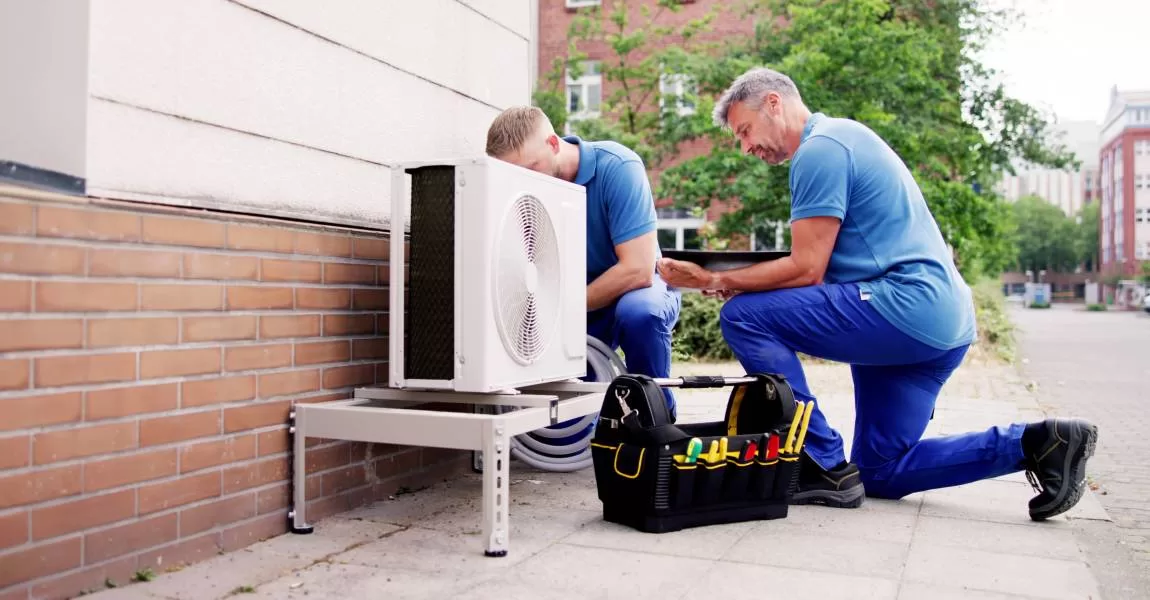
(974, 541)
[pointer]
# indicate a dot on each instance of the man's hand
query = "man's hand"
(683, 274)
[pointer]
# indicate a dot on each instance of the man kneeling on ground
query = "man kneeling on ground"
(869, 282)
(628, 304)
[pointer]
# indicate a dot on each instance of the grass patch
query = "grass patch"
(1096, 307)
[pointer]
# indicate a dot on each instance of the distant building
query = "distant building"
(1068, 189)
(1125, 183)
(678, 228)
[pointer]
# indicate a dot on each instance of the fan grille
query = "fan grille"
(527, 290)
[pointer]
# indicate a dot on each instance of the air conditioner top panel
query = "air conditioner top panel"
(493, 163)
(449, 162)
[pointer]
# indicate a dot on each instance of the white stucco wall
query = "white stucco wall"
(43, 84)
(293, 107)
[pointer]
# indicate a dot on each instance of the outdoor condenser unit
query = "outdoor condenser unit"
(496, 297)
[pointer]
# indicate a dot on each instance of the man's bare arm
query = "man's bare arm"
(812, 241)
(635, 269)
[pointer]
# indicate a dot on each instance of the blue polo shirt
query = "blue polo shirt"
(889, 242)
(620, 206)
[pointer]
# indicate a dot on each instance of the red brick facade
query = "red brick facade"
(148, 362)
(1130, 265)
(555, 19)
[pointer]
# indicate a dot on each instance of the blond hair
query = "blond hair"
(511, 129)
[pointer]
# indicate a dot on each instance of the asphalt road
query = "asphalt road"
(1097, 366)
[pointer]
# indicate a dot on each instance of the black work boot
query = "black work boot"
(840, 487)
(1055, 453)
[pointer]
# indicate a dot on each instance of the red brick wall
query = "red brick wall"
(1130, 266)
(148, 362)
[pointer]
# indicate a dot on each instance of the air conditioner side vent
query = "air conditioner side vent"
(430, 321)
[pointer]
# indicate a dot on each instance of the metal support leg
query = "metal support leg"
(299, 480)
(496, 471)
(477, 455)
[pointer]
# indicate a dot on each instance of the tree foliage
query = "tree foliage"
(1089, 238)
(1046, 238)
(643, 47)
(906, 68)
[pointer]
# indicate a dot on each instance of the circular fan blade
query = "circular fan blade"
(527, 282)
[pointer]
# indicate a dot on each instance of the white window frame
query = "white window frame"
(680, 227)
(676, 85)
(582, 3)
(591, 76)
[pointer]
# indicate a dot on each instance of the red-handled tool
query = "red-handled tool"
(750, 450)
(773, 447)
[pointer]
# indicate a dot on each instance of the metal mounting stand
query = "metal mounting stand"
(394, 416)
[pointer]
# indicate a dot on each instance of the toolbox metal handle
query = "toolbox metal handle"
(702, 381)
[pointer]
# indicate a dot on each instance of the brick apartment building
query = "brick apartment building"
(194, 236)
(1125, 184)
(677, 227)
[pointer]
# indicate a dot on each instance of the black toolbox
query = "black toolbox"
(658, 476)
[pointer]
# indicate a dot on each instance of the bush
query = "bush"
(995, 330)
(1039, 305)
(697, 335)
(1096, 307)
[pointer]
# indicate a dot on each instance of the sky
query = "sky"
(1065, 55)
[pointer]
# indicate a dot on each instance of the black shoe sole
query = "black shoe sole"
(851, 497)
(1083, 439)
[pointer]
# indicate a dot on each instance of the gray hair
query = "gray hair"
(752, 87)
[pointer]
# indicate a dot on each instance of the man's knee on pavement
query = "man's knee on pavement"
(876, 481)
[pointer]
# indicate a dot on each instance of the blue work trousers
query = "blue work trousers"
(896, 382)
(640, 322)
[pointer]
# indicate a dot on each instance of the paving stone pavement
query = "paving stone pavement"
(973, 541)
(1097, 366)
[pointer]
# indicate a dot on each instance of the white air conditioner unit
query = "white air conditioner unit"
(496, 290)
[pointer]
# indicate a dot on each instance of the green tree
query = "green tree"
(1088, 235)
(643, 48)
(908, 71)
(1046, 238)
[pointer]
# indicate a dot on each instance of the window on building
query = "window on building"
(678, 89)
(585, 93)
(691, 239)
(768, 236)
(582, 3)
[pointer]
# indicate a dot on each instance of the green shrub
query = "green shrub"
(697, 335)
(1096, 307)
(1039, 305)
(995, 330)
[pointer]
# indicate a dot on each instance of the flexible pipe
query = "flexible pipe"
(575, 454)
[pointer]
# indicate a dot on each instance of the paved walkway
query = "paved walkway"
(974, 541)
(1097, 365)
